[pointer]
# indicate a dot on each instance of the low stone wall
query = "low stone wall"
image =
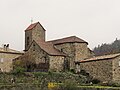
(100, 69)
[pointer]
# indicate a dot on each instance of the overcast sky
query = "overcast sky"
(96, 21)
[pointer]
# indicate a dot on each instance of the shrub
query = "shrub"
(95, 81)
(114, 84)
(68, 85)
(72, 70)
(83, 72)
(18, 71)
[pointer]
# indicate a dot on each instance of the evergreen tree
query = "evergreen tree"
(105, 49)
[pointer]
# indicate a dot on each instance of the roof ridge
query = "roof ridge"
(103, 57)
(68, 40)
(31, 26)
(49, 48)
(63, 38)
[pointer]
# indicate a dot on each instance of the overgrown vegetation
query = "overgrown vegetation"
(40, 78)
(19, 71)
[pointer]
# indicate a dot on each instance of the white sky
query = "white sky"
(96, 21)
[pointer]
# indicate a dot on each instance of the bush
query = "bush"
(114, 84)
(95, 81)
(83, 72)
(18, 71)
(72, 70)
(68, 85)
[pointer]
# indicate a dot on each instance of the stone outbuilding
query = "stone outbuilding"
(6, 57)
(104, 68)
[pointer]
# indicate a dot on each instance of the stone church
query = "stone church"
(69, 53)
(54, 55)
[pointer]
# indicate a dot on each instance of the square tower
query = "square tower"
(34, 32)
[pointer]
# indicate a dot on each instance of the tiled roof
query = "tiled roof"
(33, 26)
(49, 48)
(104, 57)
(2, 50)
(70, 39)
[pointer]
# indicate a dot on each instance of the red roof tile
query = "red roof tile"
(33, 26)
(104, 57)
(70, 39)
(49, 48)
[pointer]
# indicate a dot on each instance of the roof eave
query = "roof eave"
(70, 42)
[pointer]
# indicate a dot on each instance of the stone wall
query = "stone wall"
(74, 52)
(38, 54)
(38, 33)
(39, 57)
(69, 50)
(100, 69)
(6, 61)
(28, 35)
(116, 69)
(56, 63)
(81, 51)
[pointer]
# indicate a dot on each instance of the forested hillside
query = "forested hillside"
(105, 48)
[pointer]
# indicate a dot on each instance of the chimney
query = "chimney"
(6, 47)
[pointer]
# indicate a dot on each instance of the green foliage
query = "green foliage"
(42, 79)
(18, 71)
(95, 81)
(68, 85)
(83, 72)
(105, 49)
(114, 84)
(72, 70)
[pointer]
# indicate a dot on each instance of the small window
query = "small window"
(45, 59)
(61, 50)
(119, 63)
(27, 41)
(33, 47)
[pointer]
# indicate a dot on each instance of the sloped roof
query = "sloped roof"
(70, 39)
(104, 57)
(30, 27)
(2, 50)
(49, 48)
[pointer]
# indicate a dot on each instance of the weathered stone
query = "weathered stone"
(104, 69)
(6, 60)
(74, 51)
(56, 63)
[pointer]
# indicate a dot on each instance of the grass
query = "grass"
(101, 87)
